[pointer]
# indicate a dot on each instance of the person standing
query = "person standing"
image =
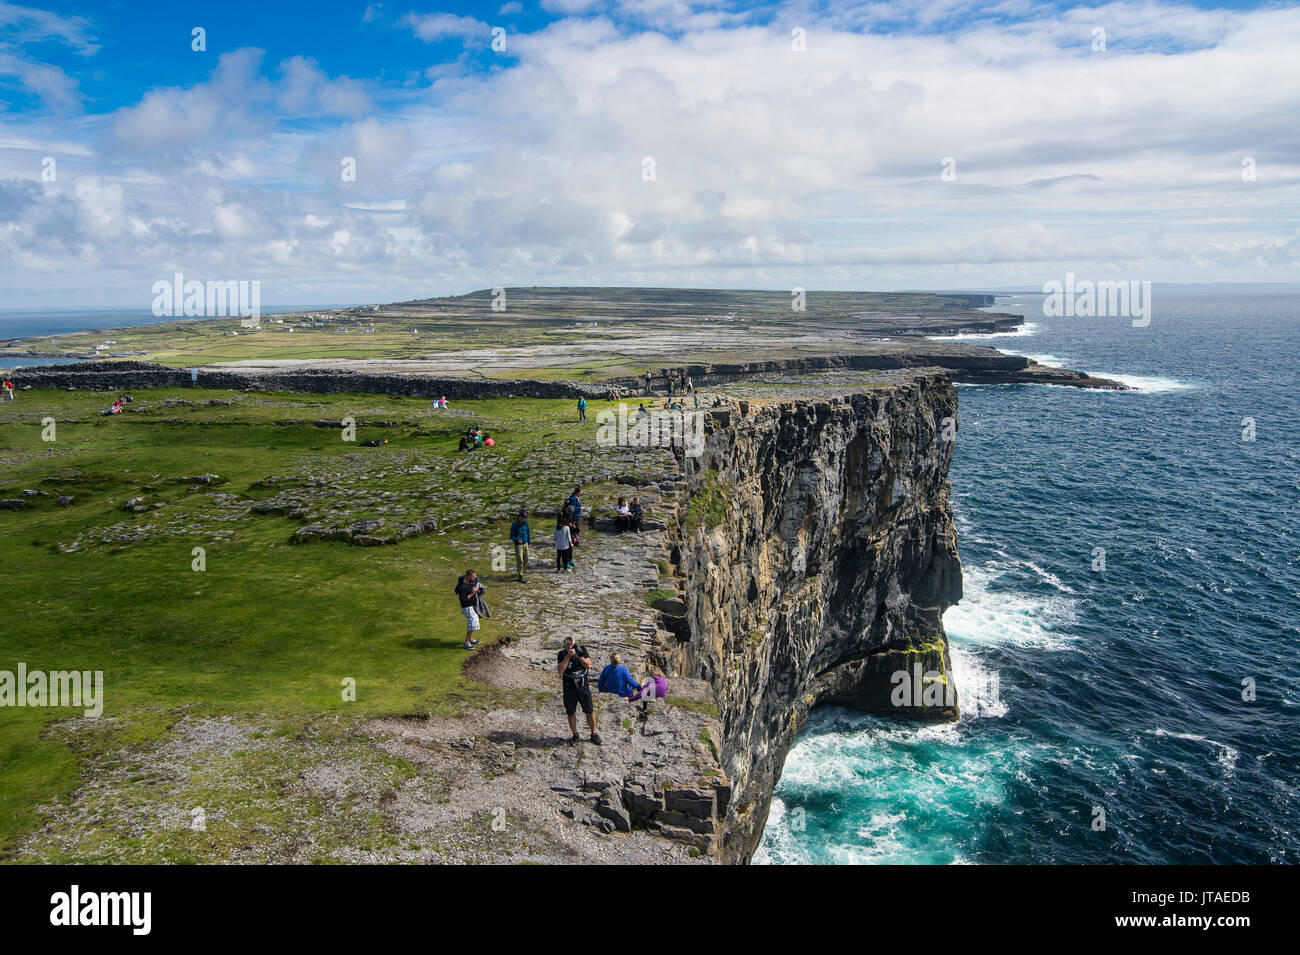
(574, 501)
(521, 535)
(563, 546)
(573, 663)
(582, 408)
(469, 590)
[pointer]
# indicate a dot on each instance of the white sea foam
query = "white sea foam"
(781, 845)
(1051, 361)
(1147, 383)
(1020, 331)
(991, 616)
(1224, 755)
(979, 692)
(1048, 577)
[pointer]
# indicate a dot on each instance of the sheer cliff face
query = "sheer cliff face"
(819, 553)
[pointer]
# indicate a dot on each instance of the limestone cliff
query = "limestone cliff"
(817, 552)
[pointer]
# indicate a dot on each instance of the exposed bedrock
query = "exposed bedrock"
(818, 553)
(974, 364)
(970, 364)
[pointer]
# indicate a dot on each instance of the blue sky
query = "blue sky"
(826, 145)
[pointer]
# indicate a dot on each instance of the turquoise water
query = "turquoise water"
(1118, 688)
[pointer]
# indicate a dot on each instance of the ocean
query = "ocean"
(1103, 711)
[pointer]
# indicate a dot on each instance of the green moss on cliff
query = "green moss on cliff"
(708, 504)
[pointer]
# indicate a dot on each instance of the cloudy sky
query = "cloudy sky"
(874, 145)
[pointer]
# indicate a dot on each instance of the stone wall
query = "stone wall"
(131, 375)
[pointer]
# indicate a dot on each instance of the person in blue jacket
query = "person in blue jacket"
(582, 409)
(521, 534)
(574, 502)
(617, 679)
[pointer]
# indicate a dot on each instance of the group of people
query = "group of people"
(573, 663)
(567, 528)
(475, 437)
(118, 406)
(673, 382)
(440, 403)
(568, 525)
(627, 516)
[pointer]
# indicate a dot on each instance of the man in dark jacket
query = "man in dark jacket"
(573, 664)
(522, 536)
(470, 592)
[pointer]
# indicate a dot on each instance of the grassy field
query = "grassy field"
(268, 627)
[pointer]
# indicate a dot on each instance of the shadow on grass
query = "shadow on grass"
(429, 643)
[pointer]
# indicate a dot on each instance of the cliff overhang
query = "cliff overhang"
(816, 572)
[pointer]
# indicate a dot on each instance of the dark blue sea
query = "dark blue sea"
(1088, 691)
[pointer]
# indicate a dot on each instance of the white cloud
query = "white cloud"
(431, 27)
(772, 167)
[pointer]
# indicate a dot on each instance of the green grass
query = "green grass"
(269, 628)
(654, 596)
(707, 505)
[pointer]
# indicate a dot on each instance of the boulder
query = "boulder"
(611, 808)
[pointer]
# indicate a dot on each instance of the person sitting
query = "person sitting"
(652, 687)
(634, 515)
(488, 441)
(464, 444)
(623, 515)
(617, 679)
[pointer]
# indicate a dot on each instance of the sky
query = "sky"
(373, 152)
